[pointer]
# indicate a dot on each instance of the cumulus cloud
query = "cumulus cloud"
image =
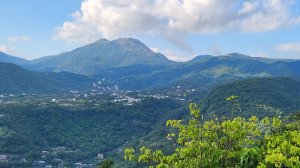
(15, 39)
(267, 15)
(288, 47)
(174, 19)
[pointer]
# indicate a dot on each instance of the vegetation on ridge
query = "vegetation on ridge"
(257, 96)
(226, 142)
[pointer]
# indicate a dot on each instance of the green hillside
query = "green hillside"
(102, 55)
(131, 65)
(79, 134)
(15, 79)
(212, 71)
(27, 130)
(257, 96)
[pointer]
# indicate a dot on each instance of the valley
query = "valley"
(84, 107)
(83, 128)
(60, 130)
(150, 84)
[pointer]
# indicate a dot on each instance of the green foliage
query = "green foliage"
(106, 163)
(258, 96)
(232, 99)
(84, 132)
(236, 142)
(235, 105)
(194, 110)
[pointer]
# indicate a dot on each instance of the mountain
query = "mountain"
(201, 59)
(257, 96)
(209, 70)
(12, 59)
(130, 64)
(103, 55)
(15, 79)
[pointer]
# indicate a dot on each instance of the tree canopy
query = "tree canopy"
(226, 142)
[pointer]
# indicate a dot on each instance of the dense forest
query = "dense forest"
(257, 96)
(77, 134)
(226, 142)
(65, 135)
(150, 84)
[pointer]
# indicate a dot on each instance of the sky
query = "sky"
(179, 29)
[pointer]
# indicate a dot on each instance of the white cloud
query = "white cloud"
(154, 49)
(171, 55)
(174, 19)
(15, 39)
(248, 7)
(4, 48)
(8, 48)
(288, 47)
(174, 56)
(267, 15)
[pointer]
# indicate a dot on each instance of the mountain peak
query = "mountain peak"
(127, 39)
(201, 58)
(128, 43)
(237, 55)
(131, 44)
(103, 40)
(102, 55)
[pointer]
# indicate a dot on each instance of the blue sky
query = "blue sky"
(178, 29)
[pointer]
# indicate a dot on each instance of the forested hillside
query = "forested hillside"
(225, 142)
(76, 134)
(15, 79)
(257, 96)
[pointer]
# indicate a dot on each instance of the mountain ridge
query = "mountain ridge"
(262, 97)
(135, 44)
(12, 59)
(101, 55)
(18, 80)
(215, 70)
(130, 64)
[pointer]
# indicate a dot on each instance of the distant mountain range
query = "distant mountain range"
(15, 79)
(213, 70)
(69, 134)
(130, 64)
